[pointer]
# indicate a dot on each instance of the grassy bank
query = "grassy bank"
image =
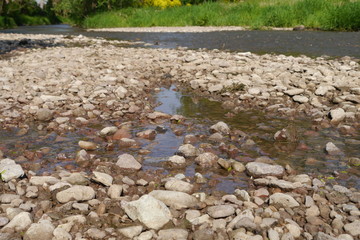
(322, 14)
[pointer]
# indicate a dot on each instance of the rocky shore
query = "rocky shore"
(79, 81)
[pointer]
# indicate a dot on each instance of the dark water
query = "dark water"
(311, 43)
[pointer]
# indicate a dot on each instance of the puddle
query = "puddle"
(44, 151)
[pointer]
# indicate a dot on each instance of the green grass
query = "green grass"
(323, 14)
(7, 22)
(23, 20)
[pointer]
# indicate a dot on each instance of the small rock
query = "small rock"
(95, 233)
(188, 150)
(87, 145)
(115, 191)
(221, 211)
(337, 115)
(353, 228)
(42, 230)
(174, 199)
(20, 222)
(206, 159)
(10, 170)
(128, 162)
(44, 114)
(178, 185)
(331, 149)
(147, 134)
(177, 159)
(130, 232)
(294, 91)
(108, 131)
(220, 127)
(283, 200)
(173, 234)
(300, 99)
(77, 193)
(258, 169)
(102, 178)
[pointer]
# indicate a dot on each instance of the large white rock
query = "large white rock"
(332, 149)
(337, 115)
(174, 199)
(283, 200)
(188, 150)
(128, 162)
(258, 169)
(42, 230)
(10, 170)
(76, 193)
(148, 210)
(20, 222)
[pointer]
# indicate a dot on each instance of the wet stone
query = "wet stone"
(127, 161)
(258, 169)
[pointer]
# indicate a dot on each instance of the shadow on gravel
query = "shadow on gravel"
(7, 46)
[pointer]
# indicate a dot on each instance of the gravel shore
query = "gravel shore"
(61, 84)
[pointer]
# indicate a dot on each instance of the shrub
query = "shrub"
(162, 3)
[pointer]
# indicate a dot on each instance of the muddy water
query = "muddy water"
(311, 43)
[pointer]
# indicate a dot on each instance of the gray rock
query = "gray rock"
(294, 91)
(3, 221)
(61, 234)
(8, 197)
(115, 191)
(188, 150)
(323, 236)
(246, 223)
(179, 186)
(76, 179)
(221, 211)
(95, 233)
(220, 127)
(273, 235)
(173, 199)
(148, 210)
(44, 114)
(300, 99)
(108, 131)
(20, 222)
(76, 193)
(10, 170)
(283, 200)
(131, 232)
(353, 228)
(40, 180)
(206, 159)
(173, 234)
(42, 230)
(87, 145)
(258, 169)
(102, 178)
(331, 149)
(128, 162)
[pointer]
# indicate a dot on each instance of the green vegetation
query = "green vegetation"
(25, 12)
(317, 14)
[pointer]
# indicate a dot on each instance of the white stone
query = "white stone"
(220, 211)
(10, 170)
(115, 191)
(108, 131)
(294, 91)
(148, 210)
(130, 232)
(76, 193)
(177, 159)
(337, 115)
(41, 180)
(127, 161)
(283, 200)
(300, 99)
(174, 199)
(173, 234)
(188, 150)
(102, 178)
(178, 185)
(20, 222)
(121, 92)
(42, 230)
(258, 169)
(220, 127)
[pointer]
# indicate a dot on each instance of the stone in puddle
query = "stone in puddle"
(221, 211)
(148, 210)
(108, 131)
(220, 127)
(77, 193)
(174, 199)
(128, 162)
(147, 134)
(258, 169)
(87, 145)
(177, 159)
(332, 149)
(207, 159)
(188, 150)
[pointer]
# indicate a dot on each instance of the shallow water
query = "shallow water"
(201, 113)
(311, 43)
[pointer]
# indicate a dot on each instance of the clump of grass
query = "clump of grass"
(235, 87)
(324, 14)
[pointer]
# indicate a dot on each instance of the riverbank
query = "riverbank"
(318, 14)
(104, 93)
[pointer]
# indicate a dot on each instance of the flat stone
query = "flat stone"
(179, 186)
(76, 179)
(221, 211)
(148, 210)
(102, 178)
(108, 131)
(258, 169)
(44, 114)
(283, 200)
(174, 199)
(87, 145)
(95, 233)
(10, 170)
(76, 193)
(324, 236)
(294, 91)
(188, 150)
(332, 149)
(300, 99)
(173, 234)
(8, 197)
(130, 232)
(41, 180)
(127, 161)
